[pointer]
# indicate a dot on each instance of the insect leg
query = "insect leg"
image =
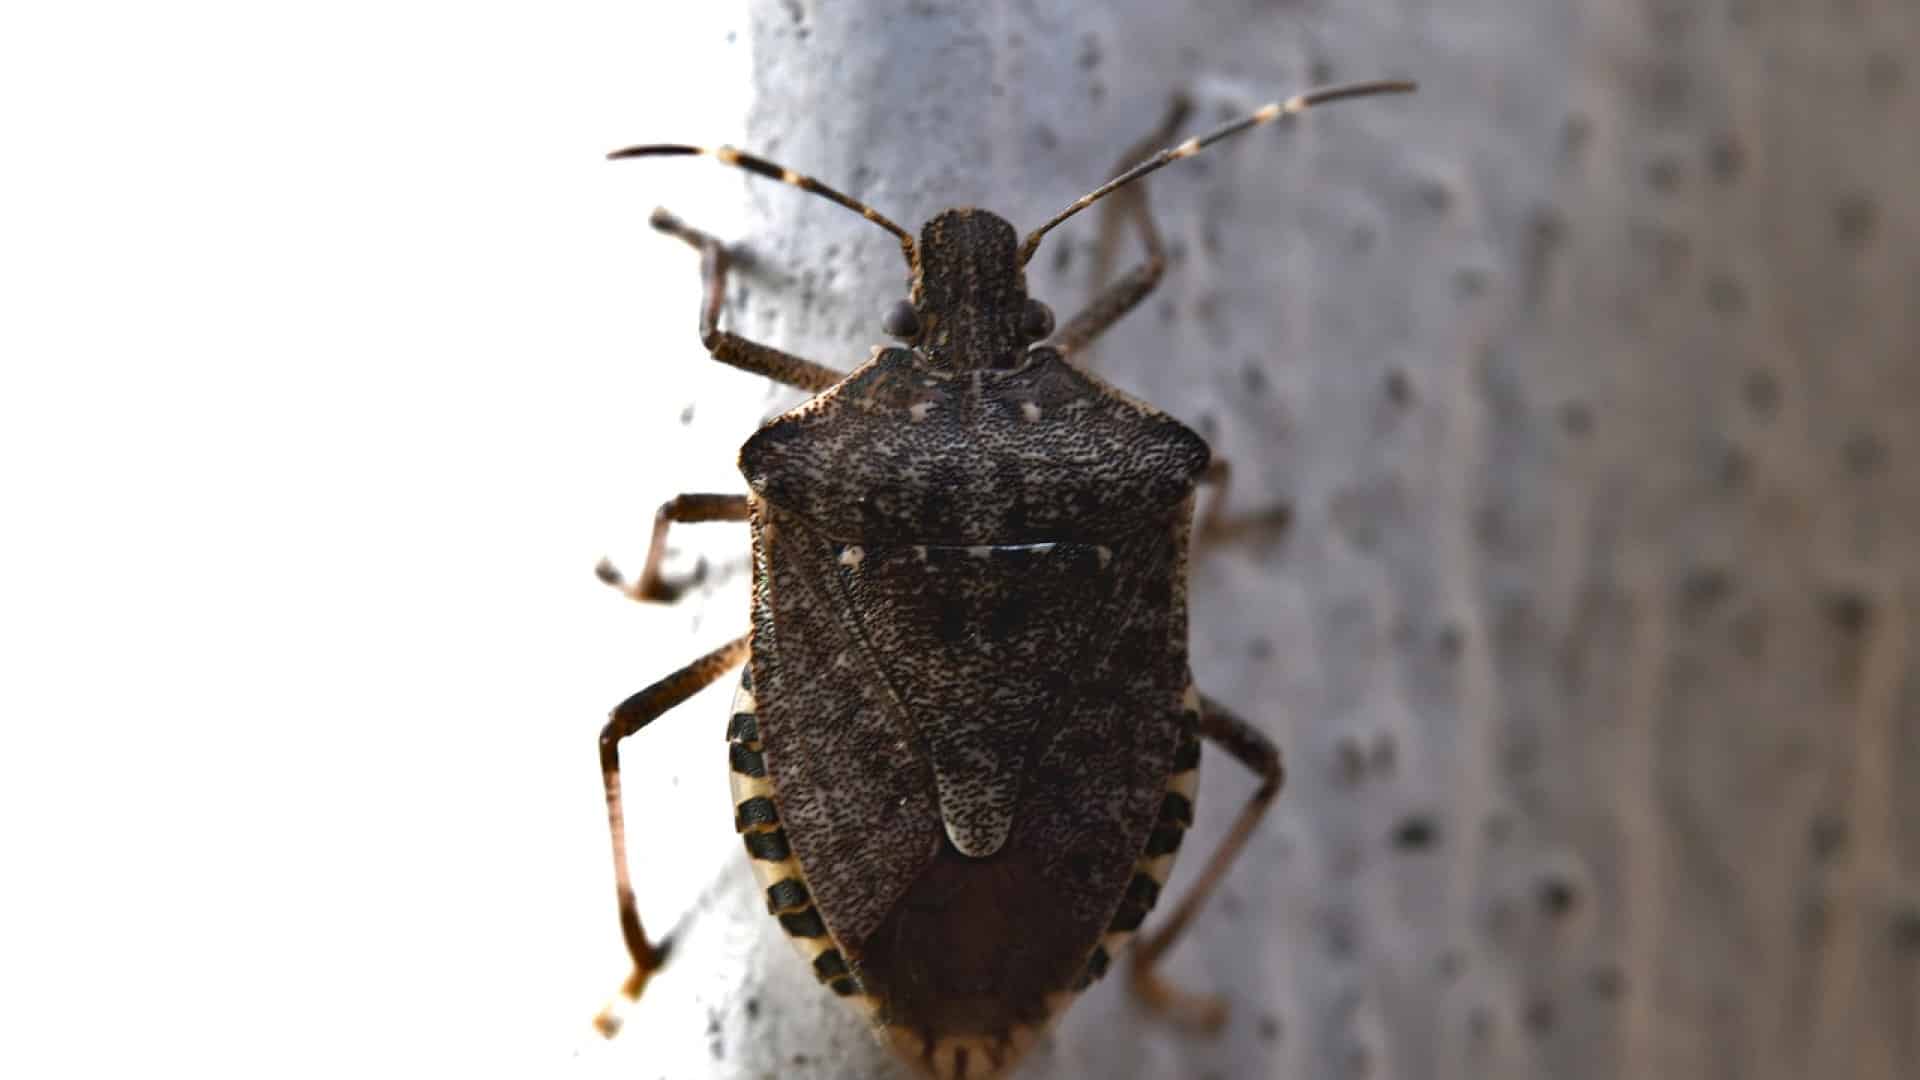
(653, 587)
(1254, 750)
(628, 717)
(729, 348)
(1213, 525)
(1218, 475)
(1127, 204)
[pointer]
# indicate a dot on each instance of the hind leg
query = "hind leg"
(1250, 748)
(629, 717)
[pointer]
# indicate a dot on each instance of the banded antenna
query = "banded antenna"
(1265, 114)
(727, 155)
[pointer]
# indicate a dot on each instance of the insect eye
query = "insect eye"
(902, 321)
(1038, 320)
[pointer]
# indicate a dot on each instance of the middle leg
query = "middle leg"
(653, 587)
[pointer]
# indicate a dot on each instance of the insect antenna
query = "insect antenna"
(1265, 114)
(727, 155)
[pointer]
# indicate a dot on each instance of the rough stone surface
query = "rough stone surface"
(1571, 401)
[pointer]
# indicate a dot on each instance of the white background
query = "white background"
(334, 355)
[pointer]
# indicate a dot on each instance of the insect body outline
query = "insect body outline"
(965, 747)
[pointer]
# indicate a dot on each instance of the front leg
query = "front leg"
(730, 348)
(1126, 204)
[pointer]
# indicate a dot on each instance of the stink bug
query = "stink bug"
(966, 743)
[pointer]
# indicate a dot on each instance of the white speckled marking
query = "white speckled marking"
(1030, 410)
(919, 410)
(852, 555)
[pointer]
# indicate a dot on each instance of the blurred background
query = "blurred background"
(1570, 403)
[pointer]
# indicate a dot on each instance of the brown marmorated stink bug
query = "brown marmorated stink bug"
(966, 742)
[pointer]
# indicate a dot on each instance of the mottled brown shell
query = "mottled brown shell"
(969, 670)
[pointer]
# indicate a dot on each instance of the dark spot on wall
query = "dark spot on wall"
(1522, 754)
(1664, 174)
(1470, 281)
(1849, 610)
(1726, 295)
(1416, 833)
(1813, 921)
(1667, 250)
(1575, 133)
(1450, 642)
(1548, 227)
(1607, 982)
(1906, 928)
(1827, 837)
(1268, 1027)
(1762, 391)
(1670, 19)
(1385, 754)
(1260, 649)
(1320, 71)
(1703, 588)
(1399, 388)
(1253, 379)
(686, 415)
(1498, 828)
(1341, 934)
(1854, 219)
(1350, 761)
(1733, 469)
(1434, 195)
(1864, 452)
(1557, 896)
(1750, 632)
(1726, 159)
(1541, 1016)
(1668, 88)
(1088, 57)
(1576, 418)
